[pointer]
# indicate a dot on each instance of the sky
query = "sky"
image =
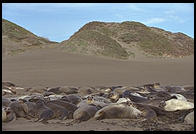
(58, 21)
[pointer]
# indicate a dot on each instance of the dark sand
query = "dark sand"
(51, 67)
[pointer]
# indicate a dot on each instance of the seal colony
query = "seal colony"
(145, 103)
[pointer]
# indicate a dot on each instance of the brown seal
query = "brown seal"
(72, 98)
(84, 113)
(19, 108)
(68, 106)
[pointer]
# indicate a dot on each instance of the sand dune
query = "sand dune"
(51, 67)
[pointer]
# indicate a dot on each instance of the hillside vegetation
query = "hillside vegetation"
(116, 40)
(16, 39)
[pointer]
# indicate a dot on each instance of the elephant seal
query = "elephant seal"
(160, 95)
(121, 100)
(19, 108)
(152, 86)
(88, 100)
(171, 116)
(84, 113)
(69, 90)
(83, 91)
(99, 99)
(54, 97)
(96, 102)
(175, 104)
(7, 92)
(42, 112)
(72, 98)
(5, 101)
(105, 90)
(60, 112)
(24, 98)
(174, 89)
(31, 109)
(46, 93)
(179, 97)
(8, 87)
(68, 106)
(115, 111)
(113, 96)
(4, 116)
(7, 84)
(133, 97)
(55, 90)
(189, 119)
(8, 114)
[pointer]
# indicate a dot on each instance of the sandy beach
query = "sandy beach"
(51, 68)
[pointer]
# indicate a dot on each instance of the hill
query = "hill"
(16, 39)
(121, 40)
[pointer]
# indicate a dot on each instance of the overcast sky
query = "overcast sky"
(58, 21)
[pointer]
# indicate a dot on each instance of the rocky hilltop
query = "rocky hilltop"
(16, 39)
(120, 40)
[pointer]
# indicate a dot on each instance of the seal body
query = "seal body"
(59, 111)
(19, 108)
(42, 112)
(134, 97)
(72, 98)
(68, 106)
(115, 111)
(84, 113)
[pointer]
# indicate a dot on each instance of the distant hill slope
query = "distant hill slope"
(16, 39)
(119, 40)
